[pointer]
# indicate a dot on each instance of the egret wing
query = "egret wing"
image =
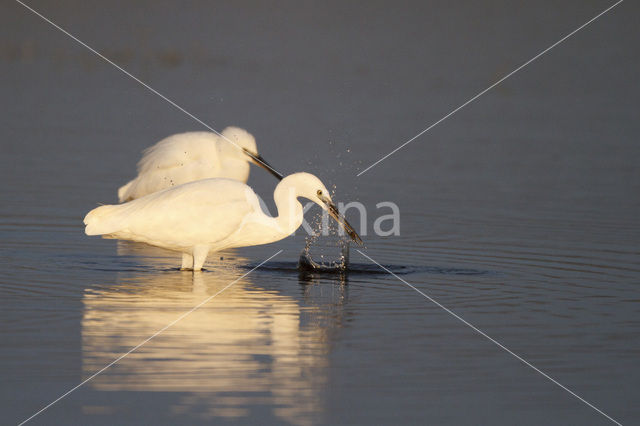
(175, 160)
(201, 212)
(176, 150)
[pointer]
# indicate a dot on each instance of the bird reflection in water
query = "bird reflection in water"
(251, 345)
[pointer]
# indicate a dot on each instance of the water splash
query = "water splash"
(324, 262)
(331, 251)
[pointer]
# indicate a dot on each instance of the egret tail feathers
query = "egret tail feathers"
(102, 220)
(123, 192)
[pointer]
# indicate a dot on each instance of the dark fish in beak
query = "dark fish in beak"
(333, 211)
(258, 160)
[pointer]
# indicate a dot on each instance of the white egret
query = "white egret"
(191, 156)
(211, 215)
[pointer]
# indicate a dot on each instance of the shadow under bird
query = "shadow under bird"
(211, 215)
(191, 156)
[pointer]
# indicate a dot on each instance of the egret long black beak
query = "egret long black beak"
(333, 211)
(258, 160)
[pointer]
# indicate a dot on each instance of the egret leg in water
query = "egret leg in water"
(211, 215)
(187, 261)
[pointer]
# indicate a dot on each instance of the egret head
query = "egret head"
(243, 145)
(309, 186)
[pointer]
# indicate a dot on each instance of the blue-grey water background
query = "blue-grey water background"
(520, 213)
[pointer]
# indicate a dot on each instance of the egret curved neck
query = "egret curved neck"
(289, 208)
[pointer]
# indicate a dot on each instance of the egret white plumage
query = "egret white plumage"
(211, 215)
(191, 156)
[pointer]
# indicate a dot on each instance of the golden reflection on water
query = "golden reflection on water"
(247, 346)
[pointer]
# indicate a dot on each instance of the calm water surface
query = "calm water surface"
(520, 214)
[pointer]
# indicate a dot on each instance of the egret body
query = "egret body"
(211, 215)
(191, 156)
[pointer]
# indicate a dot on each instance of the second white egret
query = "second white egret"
(211, 215)
(191, 156)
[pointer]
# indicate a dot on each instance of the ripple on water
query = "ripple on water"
(368, 269)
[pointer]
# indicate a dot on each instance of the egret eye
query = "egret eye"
(319, 193)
